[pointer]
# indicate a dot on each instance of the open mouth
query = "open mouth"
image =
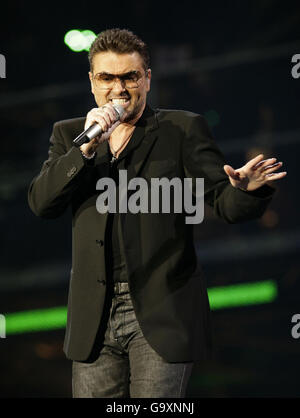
(120, 101)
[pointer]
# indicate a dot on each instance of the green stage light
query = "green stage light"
(242, 294)
(89, 38)
(36, 320)
(79, 40)
(219, 298)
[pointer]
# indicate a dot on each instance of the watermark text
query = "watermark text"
(165, 196)
(2, 326)
(296, 68)
(2, 66)
(296, 328)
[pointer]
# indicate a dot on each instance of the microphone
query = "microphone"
(95, 129)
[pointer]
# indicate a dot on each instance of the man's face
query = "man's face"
(111, 63)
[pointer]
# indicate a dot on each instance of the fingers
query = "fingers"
(275, 176)
(255, 161)
(229, 171)
(109, 109)
(264, 163)
(105, 116)
(270, 168)
(234, 174)
(267, 166)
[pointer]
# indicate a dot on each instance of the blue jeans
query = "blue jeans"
(127, 366)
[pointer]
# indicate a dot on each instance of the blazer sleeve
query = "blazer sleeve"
(50, 192)
(203, 159)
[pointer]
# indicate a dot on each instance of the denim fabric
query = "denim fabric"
(127, 366)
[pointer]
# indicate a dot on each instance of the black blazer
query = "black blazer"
(170, 303)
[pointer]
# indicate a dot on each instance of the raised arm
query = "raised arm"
(203, 159)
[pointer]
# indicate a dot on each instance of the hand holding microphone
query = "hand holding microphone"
(99, 124)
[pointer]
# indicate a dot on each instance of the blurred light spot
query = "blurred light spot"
(48, 351)
(79, 40)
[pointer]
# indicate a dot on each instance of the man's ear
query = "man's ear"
(91, 80)
(148, 81)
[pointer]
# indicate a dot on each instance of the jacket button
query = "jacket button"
(100, 242)
(71, 171)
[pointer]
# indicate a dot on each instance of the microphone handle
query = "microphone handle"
(86, 136)
(95, 129)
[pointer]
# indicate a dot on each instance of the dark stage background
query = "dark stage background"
(228, 60)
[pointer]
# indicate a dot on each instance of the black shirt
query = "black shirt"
(115, 259)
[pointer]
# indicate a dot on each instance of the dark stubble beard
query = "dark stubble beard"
(133, 113)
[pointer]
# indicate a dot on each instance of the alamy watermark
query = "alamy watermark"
(185, 199)
(2, 326)
(2, 66)
(296, 328)
(296, 68)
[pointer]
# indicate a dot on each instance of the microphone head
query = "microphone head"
(119, 110)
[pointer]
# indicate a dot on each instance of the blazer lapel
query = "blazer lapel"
(144, 138)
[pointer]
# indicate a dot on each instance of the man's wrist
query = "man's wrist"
(262, 191)
(88, 152)
(88, 156)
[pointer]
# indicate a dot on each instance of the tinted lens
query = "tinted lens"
(107, 81)
(131, 79)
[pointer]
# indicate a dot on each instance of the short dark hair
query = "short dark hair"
(120, 41)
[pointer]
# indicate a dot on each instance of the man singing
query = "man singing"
(138, 318)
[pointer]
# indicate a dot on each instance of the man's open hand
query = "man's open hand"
(255, 173)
